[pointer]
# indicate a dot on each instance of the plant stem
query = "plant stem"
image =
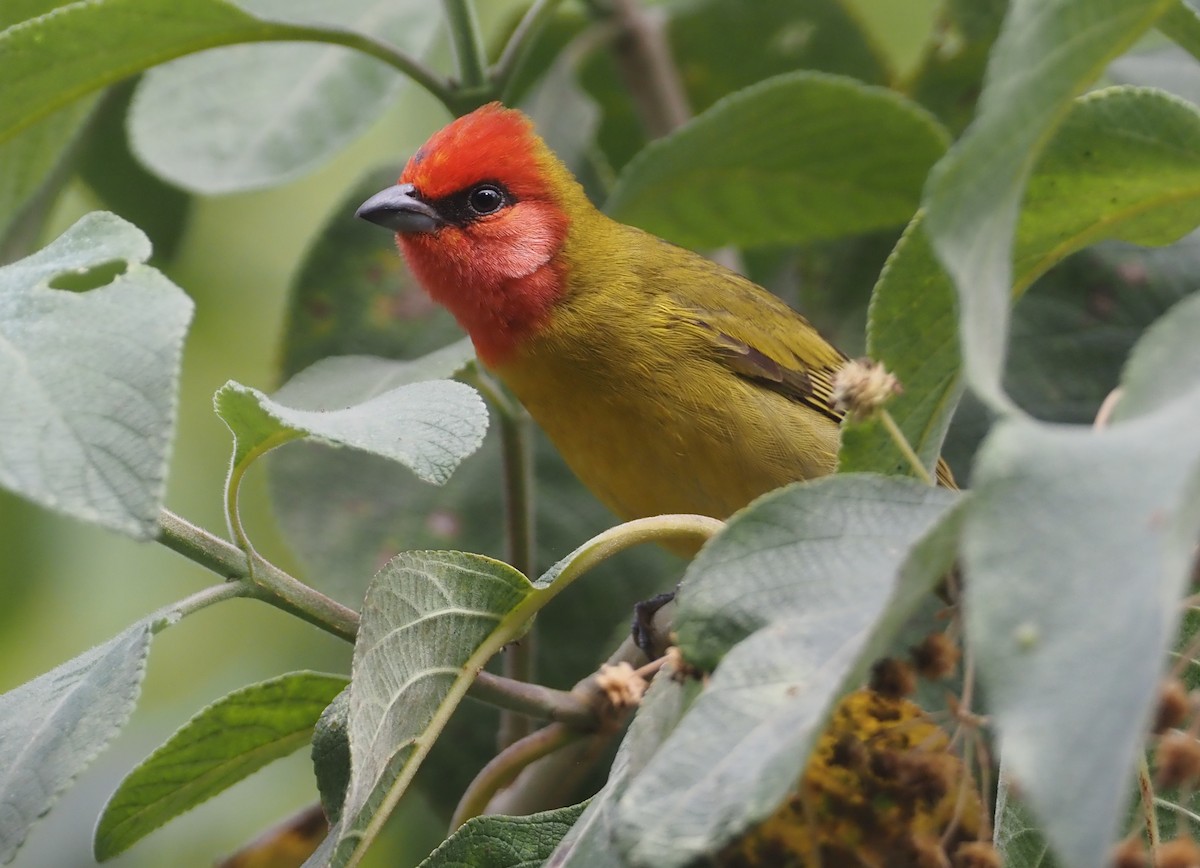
(517, 47)
(438, 86)
(651, 76)
(171, 614)
(658, 528)
(516, 437)
(1150, 813)
(535, 701)
(468, 43)
(905, 447)
(270, 584)
(505, 766)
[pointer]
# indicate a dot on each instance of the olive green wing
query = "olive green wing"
(766, 342)
(761, 339)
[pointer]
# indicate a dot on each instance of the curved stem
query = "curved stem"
(658, 528)
(438, 86)
(505, 766)
(535, 701)
(468, 43)
(171, 614)
(517, 47)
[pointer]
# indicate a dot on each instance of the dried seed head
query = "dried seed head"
(621, 684)
(892, 678)
(1180, 853)
(1177, 760)
(861, 387)
(936, 657)
(976, 854)
(1130, 853)
(927, 777)
(921, 851)
(1173, 705)
(848, 753)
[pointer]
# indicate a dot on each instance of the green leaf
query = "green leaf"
(338, 380)
(1048, 51)
(798, 157)
(224, 743)
(745, 741)
(592, 842)
(331, 755)
(505, 842)
(52, 728)
(820, 546)
(429, 622)
(90, 378)
(1123, 165)
(47, 62)
(1018, 841)
(428, 427)
(1073, 536)
(252, 116)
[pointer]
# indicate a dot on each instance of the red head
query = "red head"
(481, 213)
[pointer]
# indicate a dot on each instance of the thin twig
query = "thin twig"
(905, 447)
(520, 525)
(1107, 406)
(1146, 789)
(290, 594)
(435, 84)
(535, 701)
(505, 766)
(170, 614)
(651, 76)
(270, 584)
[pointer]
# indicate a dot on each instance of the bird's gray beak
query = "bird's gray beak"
(400, 209)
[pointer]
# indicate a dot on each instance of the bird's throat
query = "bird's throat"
(500, 304)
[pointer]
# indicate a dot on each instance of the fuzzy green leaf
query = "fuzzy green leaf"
(251, 116)
(48, 61)
(798, 157)
(224, 743)
(505, 842)
(428, 427)
(89, 378)
(1125, 164)
(1048, 51)
(51, 728)
(1073, 536)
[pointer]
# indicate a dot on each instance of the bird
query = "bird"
(668, 383)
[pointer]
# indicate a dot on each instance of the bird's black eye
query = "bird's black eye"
(486, 199)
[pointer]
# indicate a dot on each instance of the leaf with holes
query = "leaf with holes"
(90, 378)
